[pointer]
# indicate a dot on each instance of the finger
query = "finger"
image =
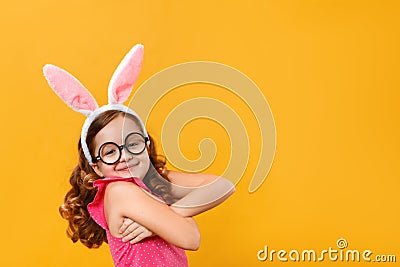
(131, 228)
(125, 224)
(129, 237)
(141, 231)
(138, 238)
(131, 234)
(144, 233)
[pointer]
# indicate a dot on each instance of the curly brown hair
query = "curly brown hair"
(81, 225)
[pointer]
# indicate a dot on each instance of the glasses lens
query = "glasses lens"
(135, 143)
(109, 153)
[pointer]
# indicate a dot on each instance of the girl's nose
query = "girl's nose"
(125, 155)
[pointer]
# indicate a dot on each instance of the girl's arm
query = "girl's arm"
(149, 212)
(197, 193)
(206, 191)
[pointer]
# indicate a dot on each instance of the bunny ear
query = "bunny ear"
(70, 90)
(125, 75)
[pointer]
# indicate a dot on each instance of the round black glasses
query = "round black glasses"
(110, 153)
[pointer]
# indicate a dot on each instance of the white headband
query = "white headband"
(77, 97)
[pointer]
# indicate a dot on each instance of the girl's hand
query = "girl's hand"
(133, 232)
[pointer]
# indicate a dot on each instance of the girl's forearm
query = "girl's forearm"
(204, 197)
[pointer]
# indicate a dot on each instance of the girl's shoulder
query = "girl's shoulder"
(121, 186)
(117, 182)
(96, 207)
(124, 188)
(117, 187)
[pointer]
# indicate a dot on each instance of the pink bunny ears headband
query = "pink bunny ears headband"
(77, 97)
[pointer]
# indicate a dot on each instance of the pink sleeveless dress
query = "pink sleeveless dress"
(152, 251)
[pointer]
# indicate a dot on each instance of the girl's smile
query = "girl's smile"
(128, 167)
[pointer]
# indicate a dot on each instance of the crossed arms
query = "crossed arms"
(149, 215)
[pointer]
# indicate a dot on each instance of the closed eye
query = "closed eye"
(107, 153)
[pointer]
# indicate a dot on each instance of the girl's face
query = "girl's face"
(129, 165)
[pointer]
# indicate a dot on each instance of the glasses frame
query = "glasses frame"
(121, 147)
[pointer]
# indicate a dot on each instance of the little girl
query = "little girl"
(115, 179)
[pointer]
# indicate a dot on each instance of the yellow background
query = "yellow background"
(329, 70)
